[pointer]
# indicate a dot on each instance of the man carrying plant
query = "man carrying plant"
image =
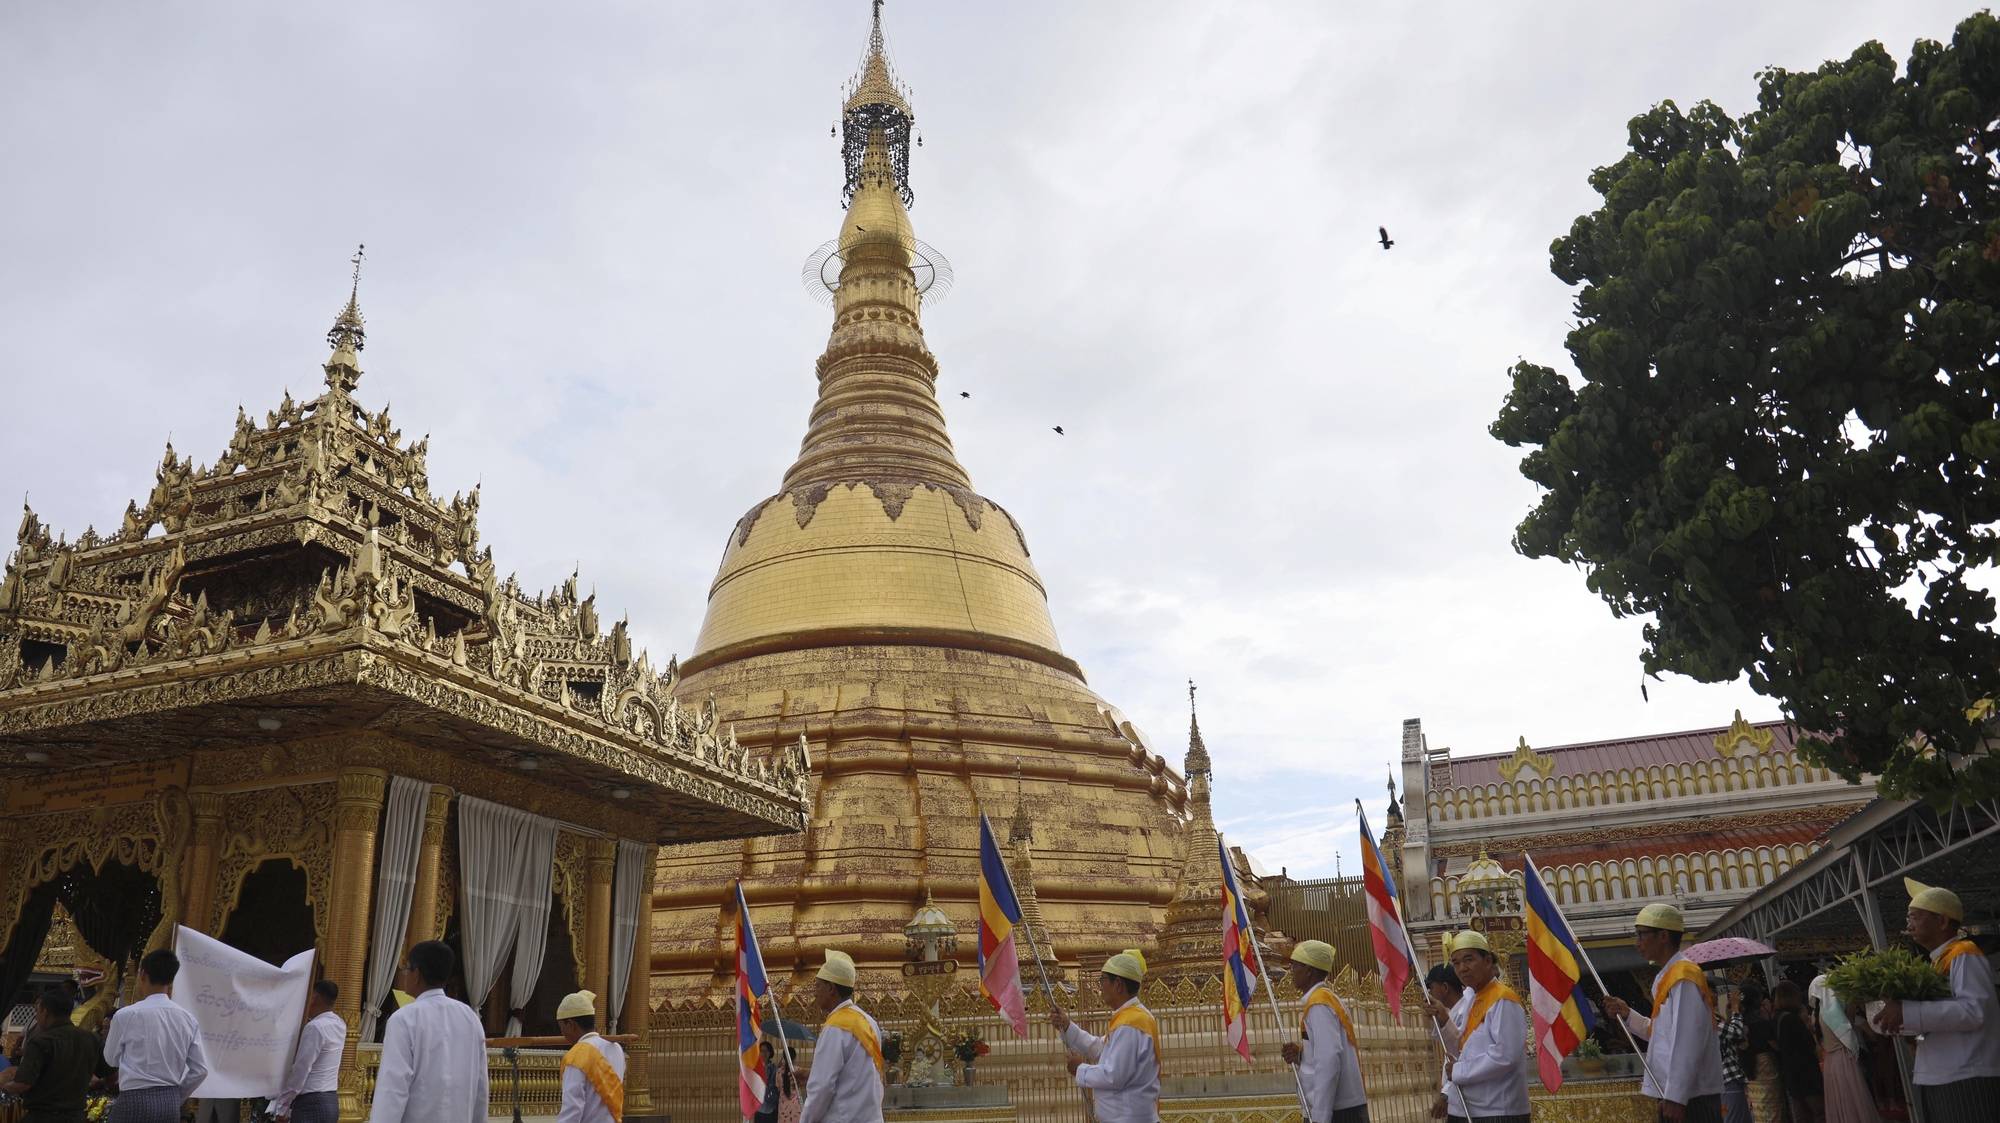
(1683, 1060)
(1957, 1073)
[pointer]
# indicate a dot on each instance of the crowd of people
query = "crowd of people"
(1798, 1055)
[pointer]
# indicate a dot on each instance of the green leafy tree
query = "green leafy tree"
(1782, 444)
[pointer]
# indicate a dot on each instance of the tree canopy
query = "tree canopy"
(1781, 445)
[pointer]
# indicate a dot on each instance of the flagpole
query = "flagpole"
(1270, 988)
(1416, 964)
(1603, 991)
(776, 1014)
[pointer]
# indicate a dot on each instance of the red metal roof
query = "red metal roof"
(1744, 838)
(1605, 756)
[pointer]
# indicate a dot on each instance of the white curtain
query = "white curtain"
(395, 880)
(627, 885)
(506, 859)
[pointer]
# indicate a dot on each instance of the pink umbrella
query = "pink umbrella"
(1729, 949)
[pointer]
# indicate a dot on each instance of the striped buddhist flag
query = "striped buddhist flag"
(751, 989)
(1239, 958)
(1394, 960)
(1555, 975)
(999, 915)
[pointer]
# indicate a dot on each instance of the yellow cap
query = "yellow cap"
(1468, 939)
(1314, 953)
(839, 969)
(1931, 898)
(582, 1004)
(1666, 918)
(1127, 964)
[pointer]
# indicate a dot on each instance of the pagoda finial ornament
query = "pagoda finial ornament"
(876, 103)
(348, 336)
(1197, 752)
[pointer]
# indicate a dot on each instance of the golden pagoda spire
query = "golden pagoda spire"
(877, 418)
(348, 336)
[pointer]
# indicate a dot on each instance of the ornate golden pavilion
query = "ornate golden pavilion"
(880, 607)
(202, 711)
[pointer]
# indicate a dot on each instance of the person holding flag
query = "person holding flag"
(1122, 1068)
(1683, 1059)
(846, 1081)
(999, 915)
(1489, 1071)
(1329, 1061)
(593, 1071)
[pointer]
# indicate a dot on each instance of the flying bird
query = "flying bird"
(1386, 240)
(965, 393)
(1059, 431)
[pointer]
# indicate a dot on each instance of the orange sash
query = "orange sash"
(585, 1058)
(851, 1019)
(1952, 951)
(1141, 1019)
(1495, 991)
(1681, 972)
(1321, 995)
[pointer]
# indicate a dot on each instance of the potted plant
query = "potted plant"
(1870, 978)
(969, 1047)
(1589, 1057)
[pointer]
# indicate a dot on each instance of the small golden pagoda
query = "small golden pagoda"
(879, 606)
(203, 713)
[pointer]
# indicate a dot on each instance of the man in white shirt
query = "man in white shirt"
(1683, 1059)
(593, 1071)
(1329, 1060)
(846, 1081)
(312, 1087)
(1488, 1070)
(433, 1050)
(1957, 1072)
(1121, 1070)
(156, 1048)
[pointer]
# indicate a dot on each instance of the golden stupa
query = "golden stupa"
(882, 609)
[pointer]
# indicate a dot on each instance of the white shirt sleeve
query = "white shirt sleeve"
(114, 1040)
(1120, 1055)
(392, 1080)
(829, 1057)
(197, 1063)
(1082, 1042)
(575, 1089)
(1685, 1018)
(481, 1078)
(302, 1061)
(1324, 1050)
(1640, 1025)
(1965, 1010)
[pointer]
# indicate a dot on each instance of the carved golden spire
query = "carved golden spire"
(1197, 752)
(877, 417)
(348, 336)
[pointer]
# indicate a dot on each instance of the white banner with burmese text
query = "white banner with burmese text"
(249, 1012)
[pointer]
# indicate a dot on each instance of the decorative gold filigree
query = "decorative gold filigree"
(1741, 735)
(1525, 757)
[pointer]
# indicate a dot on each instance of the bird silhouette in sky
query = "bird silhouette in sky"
(1059, 431)
(965, 393)
(1386, 240)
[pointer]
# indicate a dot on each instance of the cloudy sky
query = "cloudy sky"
(585, 224)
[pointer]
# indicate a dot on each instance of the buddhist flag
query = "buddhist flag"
(1239, 958)
(999, 914)
(1555, 972)
(751, 988)
(1393, 958)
